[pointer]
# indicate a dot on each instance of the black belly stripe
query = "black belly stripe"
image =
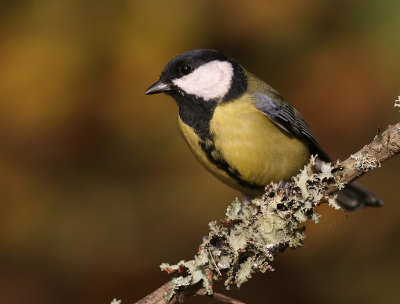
(224, 166)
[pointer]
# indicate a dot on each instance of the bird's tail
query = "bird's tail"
(355, 197)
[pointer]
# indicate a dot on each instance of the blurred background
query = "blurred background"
(97, 187)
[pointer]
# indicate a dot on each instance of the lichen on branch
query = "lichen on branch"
(250, 236)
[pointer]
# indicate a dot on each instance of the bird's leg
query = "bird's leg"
(246, 199)
(318, 165)
(284, 185)
(281, 184)
(287, 188)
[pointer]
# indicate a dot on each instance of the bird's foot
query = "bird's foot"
(284, 185)
(318, 165)
(246, 199)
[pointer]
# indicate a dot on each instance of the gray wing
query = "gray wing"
(288, 119)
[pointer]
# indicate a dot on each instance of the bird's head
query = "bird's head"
(205, 75)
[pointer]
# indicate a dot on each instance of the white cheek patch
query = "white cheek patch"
(209, 81)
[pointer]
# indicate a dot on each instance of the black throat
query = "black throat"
(196, 113)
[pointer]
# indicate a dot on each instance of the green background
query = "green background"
(97, 187)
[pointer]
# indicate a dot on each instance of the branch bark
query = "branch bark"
(158, 296)
(371, 156)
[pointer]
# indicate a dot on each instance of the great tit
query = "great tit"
(241, 129)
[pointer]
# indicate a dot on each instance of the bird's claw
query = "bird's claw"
(284, 185)
(246, 199)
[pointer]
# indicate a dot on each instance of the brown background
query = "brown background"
(97, 187)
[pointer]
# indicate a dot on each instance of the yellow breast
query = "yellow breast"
(250, 143)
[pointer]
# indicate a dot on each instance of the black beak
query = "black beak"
(158, 87)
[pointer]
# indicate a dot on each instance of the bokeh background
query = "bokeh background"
(96, 186)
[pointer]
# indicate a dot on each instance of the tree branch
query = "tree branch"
(249, 237)
(371, 156)
(158, 296)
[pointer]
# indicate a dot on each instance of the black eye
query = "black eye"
(186, 69)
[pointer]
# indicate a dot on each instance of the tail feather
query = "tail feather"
(355, 197)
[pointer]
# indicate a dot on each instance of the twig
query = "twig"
(215, 264)
(220, 297)
(223, 298)
(159, 296)
(383, 147)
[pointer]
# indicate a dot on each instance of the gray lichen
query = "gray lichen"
(250, 236)
(397, 105)
(365, 162)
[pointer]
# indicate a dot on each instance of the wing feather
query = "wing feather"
(290, 120)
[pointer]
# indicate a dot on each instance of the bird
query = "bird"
(240, 128)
